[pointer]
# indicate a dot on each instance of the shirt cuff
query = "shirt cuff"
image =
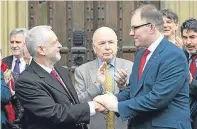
(92, 110)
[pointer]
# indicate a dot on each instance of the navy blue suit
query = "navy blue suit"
(160, 99)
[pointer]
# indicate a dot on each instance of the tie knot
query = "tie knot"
(17, 61)
(54, 73)
(108, 66)
(146, 52)
(194, 57)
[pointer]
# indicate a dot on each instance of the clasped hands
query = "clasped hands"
(108, 102)
(105, 103)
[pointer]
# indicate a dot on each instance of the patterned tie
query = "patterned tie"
(142, 63)
(17, 67)
(110, 117)
(193, 65)
(57, 77)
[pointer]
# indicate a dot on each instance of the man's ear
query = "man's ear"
(40, 50)
(177, 25)
(152, 29)
(93, 46)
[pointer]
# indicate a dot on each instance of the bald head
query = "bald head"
(103, 31)
(105, 44)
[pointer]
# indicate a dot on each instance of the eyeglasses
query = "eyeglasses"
(133, 28)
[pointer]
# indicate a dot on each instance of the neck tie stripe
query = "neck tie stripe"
(57, 77)
(110, 117)
(142, 63)
(17, 66)
(193, 65)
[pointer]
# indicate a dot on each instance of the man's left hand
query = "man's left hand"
(108, 100)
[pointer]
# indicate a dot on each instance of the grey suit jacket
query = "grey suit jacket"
(87, 88)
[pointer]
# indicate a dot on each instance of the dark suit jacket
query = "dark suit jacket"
(161, 97)
(193, 97)
(8, 61)
(45, 101)
(193, 85)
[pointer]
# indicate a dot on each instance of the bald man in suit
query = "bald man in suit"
(86, 84)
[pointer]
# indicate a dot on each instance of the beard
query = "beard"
(53, 58)
(57, 57)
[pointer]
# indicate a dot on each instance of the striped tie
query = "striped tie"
(110, 117)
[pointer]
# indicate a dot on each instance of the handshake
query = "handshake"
(105, 103)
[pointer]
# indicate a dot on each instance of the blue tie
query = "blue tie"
(17, 67)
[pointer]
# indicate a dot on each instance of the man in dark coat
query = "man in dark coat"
(45, 90)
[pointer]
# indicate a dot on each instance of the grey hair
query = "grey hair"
(152, 15)
(36, 36)
(17, 31)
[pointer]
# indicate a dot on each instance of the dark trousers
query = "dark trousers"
(194, 122)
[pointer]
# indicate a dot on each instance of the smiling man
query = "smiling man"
(158, 94)
(189, 36)
(45, 89)
(16, 61)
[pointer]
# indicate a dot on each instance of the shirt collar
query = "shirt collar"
(174, 41)
(112, 62)
(154, 45)
(190, 56)
(21, 59)
(45, 68)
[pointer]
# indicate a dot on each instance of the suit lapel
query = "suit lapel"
(47, 78)
(93, 69)
(118, 65)
(134, 75)
(187, 55)
(151, 61)
(8, 61)
(65, 78)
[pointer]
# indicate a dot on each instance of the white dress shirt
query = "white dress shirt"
(152, 48)
(22, 64)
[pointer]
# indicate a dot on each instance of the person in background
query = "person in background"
(189, 36)
(5, 99)
(86, 82)
(16, 61)
(170, 27)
